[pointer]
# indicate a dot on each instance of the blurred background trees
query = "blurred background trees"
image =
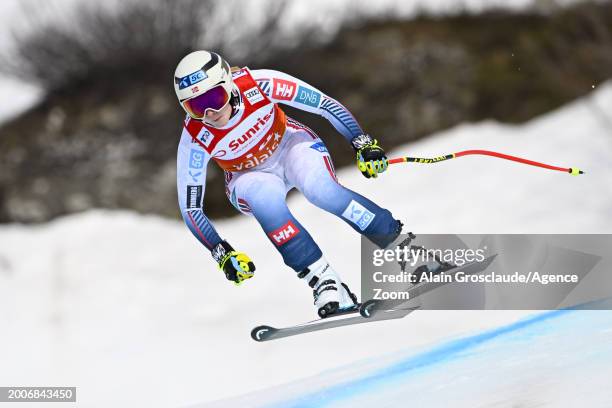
(106, 132)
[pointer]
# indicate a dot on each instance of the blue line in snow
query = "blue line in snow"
(442, 353)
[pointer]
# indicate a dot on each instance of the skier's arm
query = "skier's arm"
(191, 161)
(288, 90)
(190, 180)
(283, 88)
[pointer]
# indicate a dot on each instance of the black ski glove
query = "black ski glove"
(237, 266)
(371, 158)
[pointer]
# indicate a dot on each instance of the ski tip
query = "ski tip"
(367, 309)
(262, 333)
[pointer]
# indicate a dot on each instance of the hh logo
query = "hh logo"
(283, 90)
(283, 234)
(358, 214)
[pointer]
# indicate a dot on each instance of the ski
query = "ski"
(370, 311)
(352, 317)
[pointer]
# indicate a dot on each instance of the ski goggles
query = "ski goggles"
(213, 99)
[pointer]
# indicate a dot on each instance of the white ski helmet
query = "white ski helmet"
(203, 81)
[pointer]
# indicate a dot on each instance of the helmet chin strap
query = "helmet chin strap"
(234, 101)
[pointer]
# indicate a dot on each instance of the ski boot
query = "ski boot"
(331, 296)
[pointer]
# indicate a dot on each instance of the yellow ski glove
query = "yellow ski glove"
(237, 266)
(371, 158)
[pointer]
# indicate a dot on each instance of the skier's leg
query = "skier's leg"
(310, 169)
(262, 195)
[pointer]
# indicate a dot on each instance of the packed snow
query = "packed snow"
(554, 359)
(133, 311)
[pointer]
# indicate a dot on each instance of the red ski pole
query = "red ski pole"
(574, 171)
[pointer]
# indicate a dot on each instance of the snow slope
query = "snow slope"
(132, 311)
(554, 359)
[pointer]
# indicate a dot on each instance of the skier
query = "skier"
(233, 117)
